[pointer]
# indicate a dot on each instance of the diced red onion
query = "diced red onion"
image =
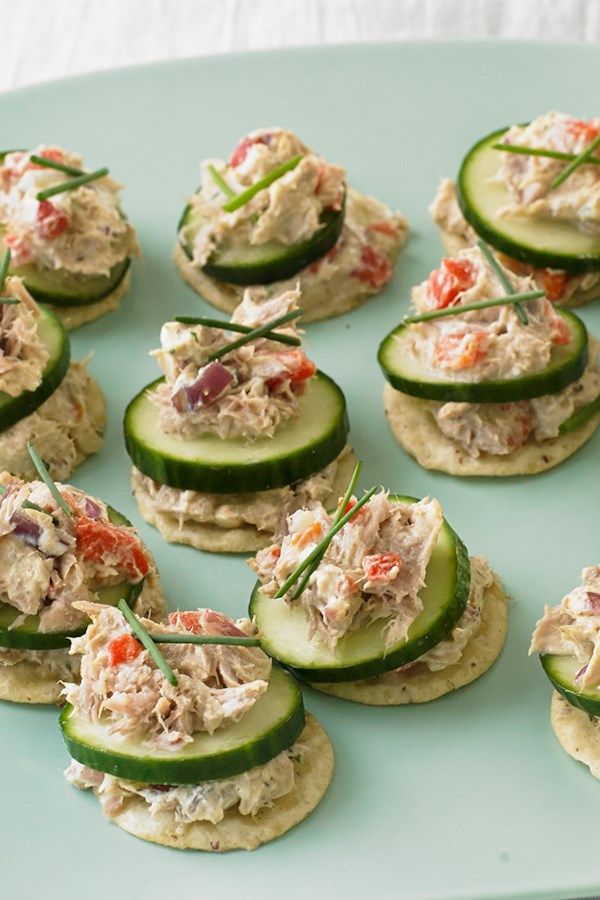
(212, 381)
(25, 528)
(579, 675)
(593, 601)
(92, 510)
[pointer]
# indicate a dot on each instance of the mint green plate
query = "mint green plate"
(469, 796)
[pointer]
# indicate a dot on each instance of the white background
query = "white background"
(45, 39)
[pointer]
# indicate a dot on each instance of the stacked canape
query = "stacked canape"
(568, 639)
(378, 602)
(43, 397)
(278, 214)
(186, 732)
(489, 378)
(238, 431)
(60, 547)
(70, 241)
(533, 193)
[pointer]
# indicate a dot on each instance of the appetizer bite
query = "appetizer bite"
(533, 193)
(276, 215)
(58, 548)
(567, 637)
(489, 378)
(43, 397)
(241, 428)
(378, 602)
(70, 242)
(187, 734)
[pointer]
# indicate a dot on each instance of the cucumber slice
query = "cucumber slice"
(547, 242)
(27, 637)
(363, 654)
(580, 416)
(52, 333)
(405, 373)
(64, 289)
(303, 446)
(561, 671)
(262, 263)
(269, 727)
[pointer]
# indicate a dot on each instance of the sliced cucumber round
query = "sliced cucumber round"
(26, 636)
(272, 725)
(561, 671)
(243, 264)
(544, 242)
(303, 446)
(61, 288)
(405, 373)
(284, 627)
(52, 333)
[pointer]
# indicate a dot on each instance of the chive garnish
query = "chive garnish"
(245, 196)
(338, 515)
(206, 639)
(323, 544)
(27, 504)
(72, 184)
(2, 489)
(254, 333)
(240, 329)
(4, 267)
(468, 307)
(221, 183)
(503, 278)
(47, 479)
(535, 151)
(9, 301)
(148, 643)
(579, 160)
(51, 164)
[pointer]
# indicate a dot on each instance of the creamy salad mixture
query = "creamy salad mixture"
(573, 629)
(558, 285)
(289, 212)
(217, 685)
(23, 355)
(265, 510)
(82, 231)
(373, 568)
(489, 344)
(449, 651)
(528, 178)
(247, 393)
(49, 561)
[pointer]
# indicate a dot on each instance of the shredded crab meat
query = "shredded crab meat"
(82, 232)
(250, 791)
(50, 561)
(23, 355)
(573, 628)
(250, 392)
(373, 568)
(529, 178)
(122, 686)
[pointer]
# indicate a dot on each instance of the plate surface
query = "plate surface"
(468, 796)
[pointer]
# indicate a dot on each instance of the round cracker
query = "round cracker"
(27, 682)
(399, 688)
(213, 538)
(237, 832)
(578, 734)
(415, 429)
(320, 299)
(454, 243)
(87, 440)
(74, 316)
